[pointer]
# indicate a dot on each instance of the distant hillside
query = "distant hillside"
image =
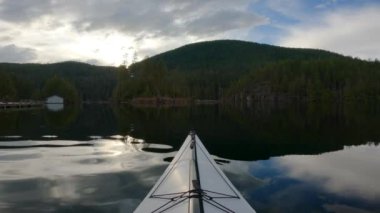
(228, 55)
(92, 82)
(210, 67)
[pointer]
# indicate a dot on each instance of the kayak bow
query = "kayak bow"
(193, 183)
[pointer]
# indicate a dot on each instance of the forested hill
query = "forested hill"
(233, 55)
(209, 68)
(226, 69)
(92, 82)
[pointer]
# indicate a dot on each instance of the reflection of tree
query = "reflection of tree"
(159, 124)
(21, 122)
(59, 86)
(8, 122)
(304, 129)
(7, 88)
(257, 133)
(125, 119)
(62, 119)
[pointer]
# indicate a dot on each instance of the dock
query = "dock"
(21, 105)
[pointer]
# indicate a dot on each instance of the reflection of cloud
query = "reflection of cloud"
(105, 156)
(120, 190)
(76, 178)
(352, 172)
(239, 174)
(344, 209)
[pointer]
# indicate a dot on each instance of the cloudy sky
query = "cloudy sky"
(112, 32)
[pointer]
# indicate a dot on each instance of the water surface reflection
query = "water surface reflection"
(97, 158)
(113, 175)
(109, 174)
(341, 181)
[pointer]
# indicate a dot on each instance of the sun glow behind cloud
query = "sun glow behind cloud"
(112, 32)
(64, 43)
(110, 48)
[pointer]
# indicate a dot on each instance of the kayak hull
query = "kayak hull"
(193, 182)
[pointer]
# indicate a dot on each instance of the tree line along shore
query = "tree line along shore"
(204, 73)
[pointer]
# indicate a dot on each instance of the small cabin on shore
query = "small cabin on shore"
(55, 99)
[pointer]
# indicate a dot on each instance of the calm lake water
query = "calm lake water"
(97, 158)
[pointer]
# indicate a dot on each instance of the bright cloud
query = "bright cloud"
(110, 31)
(13, 53)
(351, 31)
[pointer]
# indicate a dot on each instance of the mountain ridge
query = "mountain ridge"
(231, 54)
(226, 44)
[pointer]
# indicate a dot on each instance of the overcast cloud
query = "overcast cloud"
(54, 26)
(354, 32)
(112, 31)
(167, 18)
(12, 53)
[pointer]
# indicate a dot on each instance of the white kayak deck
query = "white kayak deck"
(193, 183)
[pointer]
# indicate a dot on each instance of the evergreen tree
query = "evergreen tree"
(7, 88)
(61, 87)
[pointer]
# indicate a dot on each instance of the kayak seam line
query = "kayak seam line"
(190, 174)
(194, 140)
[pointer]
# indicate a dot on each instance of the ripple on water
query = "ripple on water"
(95, 137)
(49, 136)
(11, 137)
(50, 159)
(16, 157)
(117, 137)
(92, 161)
